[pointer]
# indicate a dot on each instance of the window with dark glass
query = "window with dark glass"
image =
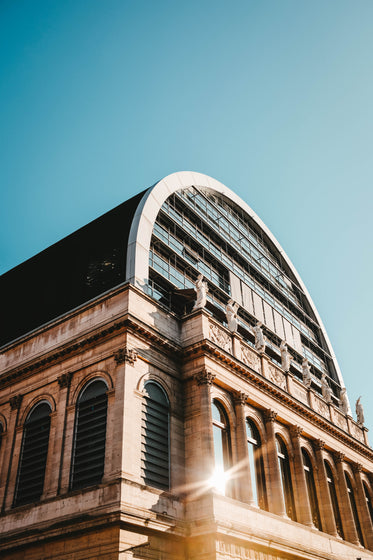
(155, 455)
(88, 459)
(368, 500)
(222, 448)
(33, 457)
(333, 498)
(311, 488)
(355, 515)
(256, 465)
(287, 487)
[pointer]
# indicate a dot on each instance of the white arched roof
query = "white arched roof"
(137, 268)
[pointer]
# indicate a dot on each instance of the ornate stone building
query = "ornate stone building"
(168, 391)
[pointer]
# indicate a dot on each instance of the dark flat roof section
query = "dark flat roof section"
(67, 274)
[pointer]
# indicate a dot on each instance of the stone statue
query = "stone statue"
(359, 412)
(285, 356)
(306, 373)
(343, 401)
(259, 337)
(325, 389)
(231, 314)
(201, 288)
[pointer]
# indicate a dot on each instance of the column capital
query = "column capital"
(270, 416)
(357, 467)
(64, 380)
(240, 398)
(15, 402)
(296, 431)
(125, 355)
(204, 377)
(339, 457)
(319, 444)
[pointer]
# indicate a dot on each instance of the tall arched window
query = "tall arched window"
(312, 496)
(88, 459)
(155, 456)
(355, 515)
(333, 498)
(287, 487)
(368, 500)
(33, 457)
(222, 447)
(256, 464)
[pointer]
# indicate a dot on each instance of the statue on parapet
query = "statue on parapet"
(260, 343)
(359, 412)
(343, 400)
(326, 389)
(306, 373)
(231, 314)
(201, 288)
(285, 356)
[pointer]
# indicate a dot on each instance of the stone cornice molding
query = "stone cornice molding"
(248, 374)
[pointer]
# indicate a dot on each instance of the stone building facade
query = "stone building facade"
(168, 391)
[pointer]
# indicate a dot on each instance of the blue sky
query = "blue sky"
(99, 100)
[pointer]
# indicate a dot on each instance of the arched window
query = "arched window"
(333, 498)
(351, 496)
(33, 457)
(1, 433)
(222, 447)
(155, 456)
(368, 500)
(256, 464)
(311, 488)
(88, 459)
(287, 487)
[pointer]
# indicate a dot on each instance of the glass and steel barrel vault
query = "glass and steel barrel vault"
(189, 224)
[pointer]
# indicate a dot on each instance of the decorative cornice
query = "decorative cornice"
(64, 380)
(286, 399)
(269, 416)
(125, 355)
(204, 377)
(15, 402)
(240, 398)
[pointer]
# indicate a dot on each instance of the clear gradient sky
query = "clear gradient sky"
(274, 98)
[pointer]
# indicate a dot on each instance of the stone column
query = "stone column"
(8, 459)
(325, 504)
(302, 502)
(276, 500)
(348, 522)
(199, 442)
(244, 488)
(362, 507)
(57, 438)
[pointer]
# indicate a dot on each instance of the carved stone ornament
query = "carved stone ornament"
(296, 431)
(231, 315)
(15, 402)
(201, 289)
(357, 467)
(319, 444)
(326, 389)
(124, 355)
(240, 398)
(64, 380)
(220, 338)
(270, 416)
(204, 377)
(250, 358)
(276, 376)
(339, 457)
(321, 407)
(359, 412)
